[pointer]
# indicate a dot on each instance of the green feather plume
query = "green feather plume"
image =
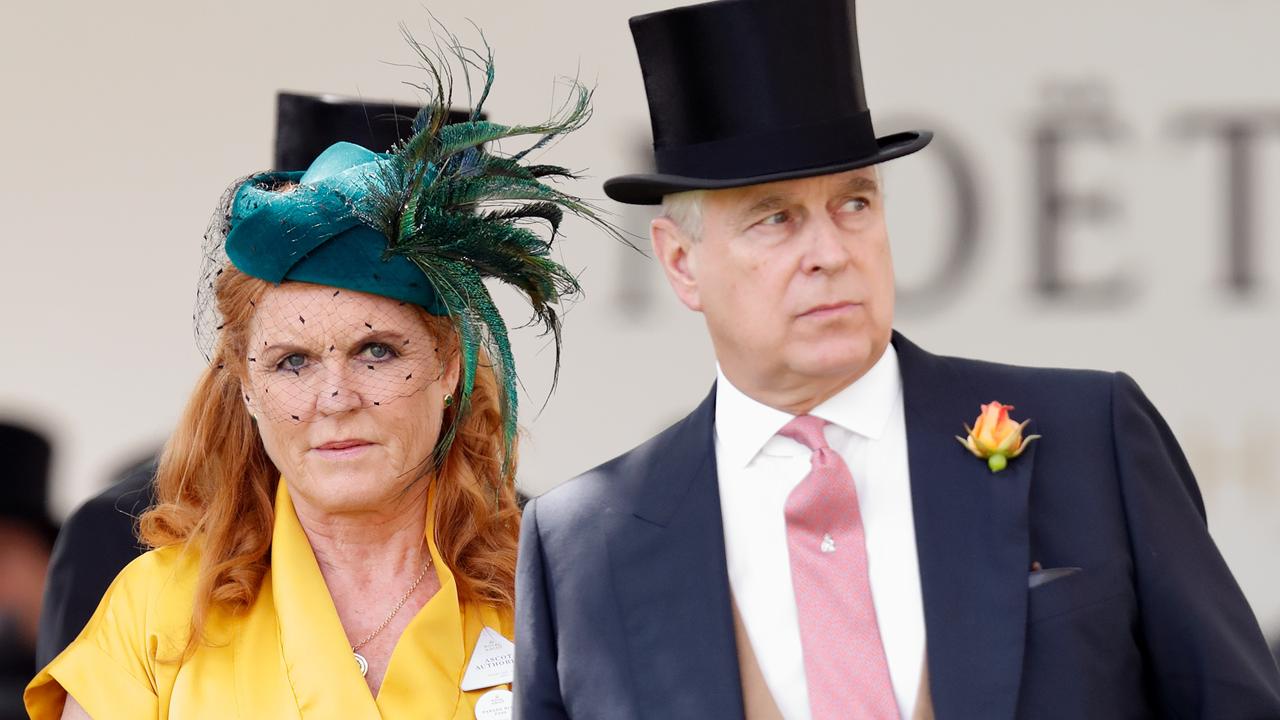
(461, 211)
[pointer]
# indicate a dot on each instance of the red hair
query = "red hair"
(216, 486)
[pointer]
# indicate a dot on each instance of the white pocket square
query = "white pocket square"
(1048, 575)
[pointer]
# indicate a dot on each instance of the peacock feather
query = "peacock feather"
(463, 212)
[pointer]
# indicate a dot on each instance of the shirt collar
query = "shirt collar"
(744, 425)
(426, 665)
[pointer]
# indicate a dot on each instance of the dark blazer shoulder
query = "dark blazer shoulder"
(1029, 375)
(1041, 390)
(623, 479)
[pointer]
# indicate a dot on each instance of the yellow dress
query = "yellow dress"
(287, 656)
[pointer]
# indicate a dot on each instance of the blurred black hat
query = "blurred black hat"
(752, 91)
(24, 479)
(308, 124)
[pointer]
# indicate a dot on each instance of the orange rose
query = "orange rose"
(995, 437)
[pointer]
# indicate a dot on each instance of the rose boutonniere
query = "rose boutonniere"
(995, 437)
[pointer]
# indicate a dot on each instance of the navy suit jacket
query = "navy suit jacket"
(623, 602)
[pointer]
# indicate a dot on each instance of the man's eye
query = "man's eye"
(855, 205)
(777, 218)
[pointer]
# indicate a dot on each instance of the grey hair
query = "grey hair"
(685, 210)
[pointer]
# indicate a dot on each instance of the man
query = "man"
(26, 534)
(96, 542)
(812, 541)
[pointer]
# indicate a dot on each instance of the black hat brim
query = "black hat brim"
(649, 189)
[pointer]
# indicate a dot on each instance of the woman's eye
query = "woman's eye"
(378, 351)
(294, 361)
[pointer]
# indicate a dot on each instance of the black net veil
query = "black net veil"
(207, 318)
(313, 350)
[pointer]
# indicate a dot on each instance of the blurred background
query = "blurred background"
(1097, 196)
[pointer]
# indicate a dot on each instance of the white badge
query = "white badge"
(495, 705)
(492, 662)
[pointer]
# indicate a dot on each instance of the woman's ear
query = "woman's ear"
(452, 372)
(242, 387)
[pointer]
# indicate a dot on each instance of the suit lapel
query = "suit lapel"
(671, 580)
(972, 540)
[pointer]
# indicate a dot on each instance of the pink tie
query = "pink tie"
(844, 663)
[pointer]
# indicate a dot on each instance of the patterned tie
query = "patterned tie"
(844, 662)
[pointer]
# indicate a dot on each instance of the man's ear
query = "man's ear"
(675, 250)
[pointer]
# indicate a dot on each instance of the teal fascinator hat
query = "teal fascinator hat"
(426, 223)
(308, 227)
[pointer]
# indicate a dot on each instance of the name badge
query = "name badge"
(495, 705)
(492, 663)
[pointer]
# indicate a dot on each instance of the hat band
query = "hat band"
(775, 151)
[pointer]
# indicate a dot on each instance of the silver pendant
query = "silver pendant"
(828, 544)
(364, 664)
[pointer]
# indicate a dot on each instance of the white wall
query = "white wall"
(122, 123)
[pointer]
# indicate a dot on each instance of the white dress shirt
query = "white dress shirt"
(758, 469)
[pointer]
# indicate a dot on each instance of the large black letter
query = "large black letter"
(1079, 116)
(1239, 134)
(954, 265)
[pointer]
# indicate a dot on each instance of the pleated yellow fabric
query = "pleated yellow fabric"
(287, 656)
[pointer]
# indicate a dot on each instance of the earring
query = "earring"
(448, 399)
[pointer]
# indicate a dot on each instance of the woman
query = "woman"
(337, 525)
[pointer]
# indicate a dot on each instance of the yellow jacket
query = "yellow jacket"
(287, 656)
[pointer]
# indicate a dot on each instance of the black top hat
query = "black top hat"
(751, 91)
(308, 124)
(24, 482)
